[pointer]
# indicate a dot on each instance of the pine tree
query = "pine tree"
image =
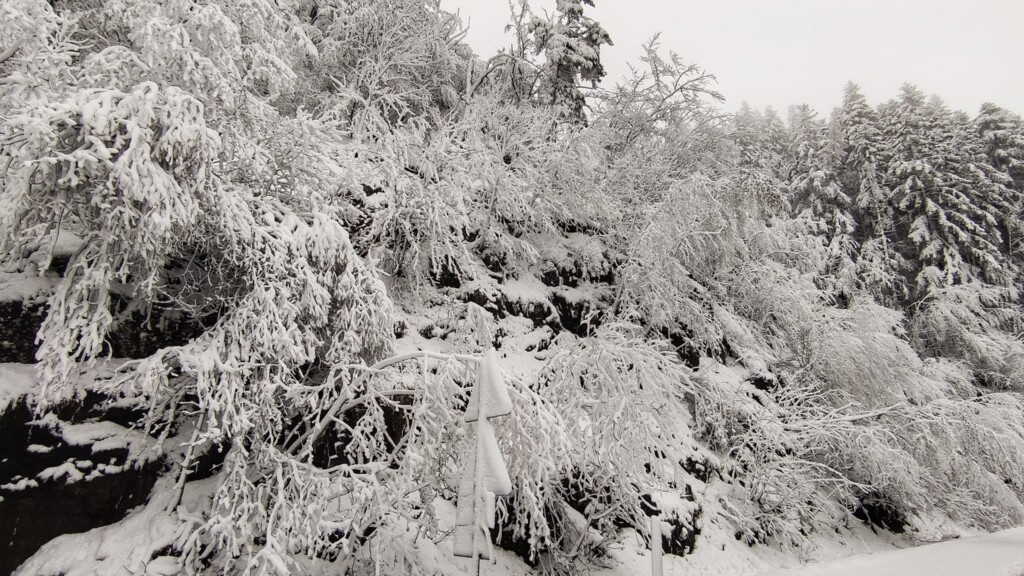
(988, 196)
(760, 140)
(774, 139)
(878, 263)
(859, 129)
(816, 192)
(571, 45)
(951, 234)
(1002, 137)
(1002, 133)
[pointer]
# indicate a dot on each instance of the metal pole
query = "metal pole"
(656, 546)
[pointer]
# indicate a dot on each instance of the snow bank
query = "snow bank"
(16, 380)
(998, 554)
(25, 287)
(126, 547)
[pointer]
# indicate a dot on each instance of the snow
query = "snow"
(19, 484)
(525, 289)
(26, 286)
(485, 475)
(104, 436)
(490, 395)
(717, 553)
(492, 473)
(16, 381)
(164, 566)
(998, 554)
(123, 548)
(576, 295)
(725, 376)
(742, 341)
(66, 470)
(19, 380)
(66, 243)
(519, 357)
(502, 563)
(573, 251)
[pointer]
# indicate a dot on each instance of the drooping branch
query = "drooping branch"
(340, 405)
(10, 52)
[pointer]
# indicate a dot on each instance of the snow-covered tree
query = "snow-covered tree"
(571, 44)
(1002, 133)
(663, 105)
(816, 193)
(761, 154)
(935, 178)
(1002, 136)
(861, 175)
(630, 436)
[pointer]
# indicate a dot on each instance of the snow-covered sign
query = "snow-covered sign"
(485, 477)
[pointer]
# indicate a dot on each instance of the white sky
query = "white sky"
(781, 52)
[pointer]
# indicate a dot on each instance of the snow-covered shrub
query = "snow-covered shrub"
(226, 217)
(350, 475)
(779, 487)
(630, 432)
(795, 460)
(127, 173)
(864, 417)
(460, 196)
(416, 227)
(668, 277)
(978, 324)
(857, 353)
(969, 447)
(391, 62)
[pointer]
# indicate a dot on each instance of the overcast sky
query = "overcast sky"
(781, 52)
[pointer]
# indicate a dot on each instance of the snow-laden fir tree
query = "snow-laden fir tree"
(760, 140)
(862, 177)
(816, 192)
(1002, 136)
(571, 44)
(1002, 133)
(951, 201)
(951, 229)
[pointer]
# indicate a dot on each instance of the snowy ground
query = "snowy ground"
(130, 546)
(999, 554)
(717, 554)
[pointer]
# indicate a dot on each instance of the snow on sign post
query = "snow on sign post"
(485, 477)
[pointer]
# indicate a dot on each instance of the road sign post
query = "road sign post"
(485, 477)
